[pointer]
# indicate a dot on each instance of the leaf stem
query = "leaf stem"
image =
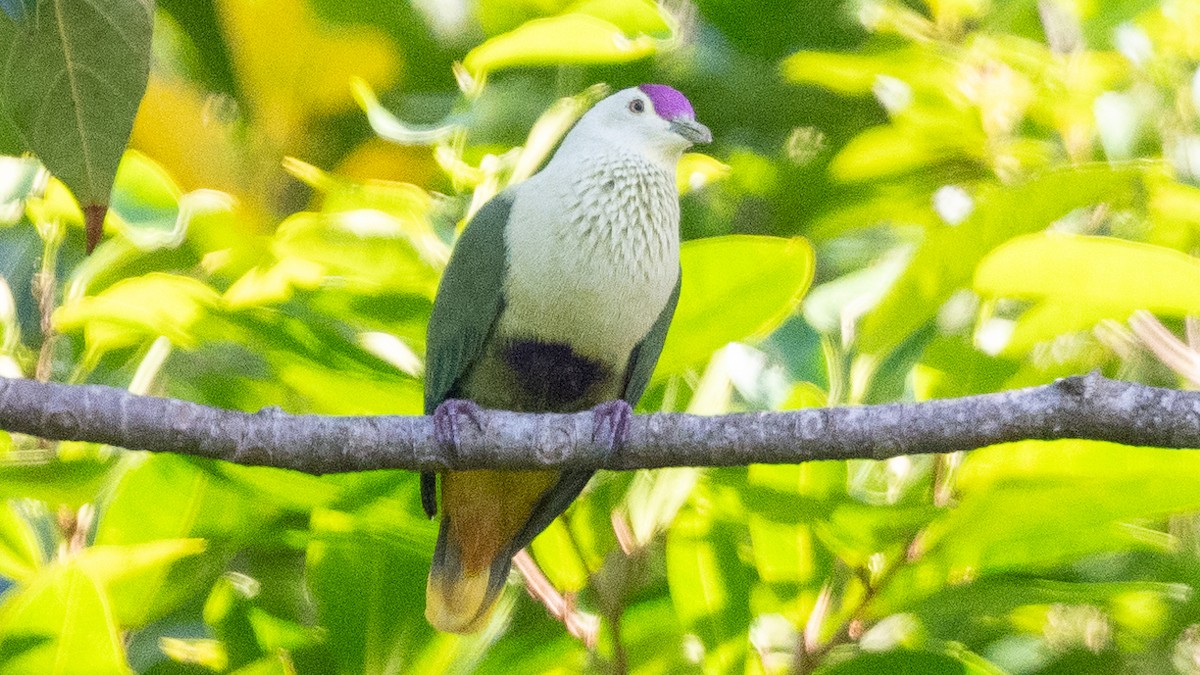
(45, 284)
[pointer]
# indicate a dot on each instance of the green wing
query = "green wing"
(469, 299)
(645, 354)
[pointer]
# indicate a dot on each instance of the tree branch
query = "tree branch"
(1090, 407)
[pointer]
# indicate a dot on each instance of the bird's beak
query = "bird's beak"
(692, 130)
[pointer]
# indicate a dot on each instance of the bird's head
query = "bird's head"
(651, 118)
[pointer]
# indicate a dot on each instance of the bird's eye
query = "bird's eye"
(637, 105)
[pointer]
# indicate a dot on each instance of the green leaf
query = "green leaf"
(544, 648)
(655, 497)
(556, 554)
(710, 587)
(570, 38)
(826, 305)
(948, 257)
(69, 482)
(189, 502)
(1095, 491)
(368, 251)
(287, 489)
(697, 170)
(734, 288)
(370, 595)
(20, 251)
(137, 310)
(271, 665)
(409, 204)
(960, 611)
(387, 125)
(275, 284)
(74, 75)
(926, 663)
(336, 392)
(785, 505)
(952, 366)
(133, 575)
(59, 622)
(852, 74)
(856, 531)
(653, 638)
(20, 553)
(1111, 278)
(146, 203)
(1050, 318)
(1115, 274)
(204, 652)
(389, 519)
(858, 74)
(228, 610)
(908, 146)
(10, 328)
(632, 16)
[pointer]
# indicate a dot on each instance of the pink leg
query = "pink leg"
(446, 420)
(610, 423)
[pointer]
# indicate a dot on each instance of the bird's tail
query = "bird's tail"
(458, 600)
(487, 516)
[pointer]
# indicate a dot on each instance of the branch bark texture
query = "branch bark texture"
(1088, 407)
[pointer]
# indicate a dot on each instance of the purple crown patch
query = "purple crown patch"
(668, 102)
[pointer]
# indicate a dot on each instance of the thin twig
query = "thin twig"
(583, 626)
(855, 625)
(43, 289)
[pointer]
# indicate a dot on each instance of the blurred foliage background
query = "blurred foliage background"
(906, 200)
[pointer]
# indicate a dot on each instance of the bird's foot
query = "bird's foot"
(610, 423)
(446, 420)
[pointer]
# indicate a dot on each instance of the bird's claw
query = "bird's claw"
(445, 420)
(610, 423)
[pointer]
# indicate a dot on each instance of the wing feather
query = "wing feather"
(645, 354)
(469, 300)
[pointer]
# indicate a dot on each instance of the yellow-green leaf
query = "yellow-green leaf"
(20, 553)
(632, 16)
(145, 202)
(1092, 271)
(696, 170)
(59, 622)
(366, 250)
(133, 574)
(559, 558)
(137, 310)
(734, 288)
(59, 481)
(947, 258)
(857, 74)
(570, 38)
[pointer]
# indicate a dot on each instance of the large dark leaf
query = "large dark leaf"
(74, 74)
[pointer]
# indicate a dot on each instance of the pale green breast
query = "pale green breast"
(593, 255)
